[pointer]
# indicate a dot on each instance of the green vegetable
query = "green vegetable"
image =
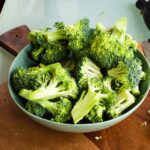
(129, 73)
(86, 70)
(60, 109)
(51, 46)
(46, 50)
(35, 109)
(61, 84)
(96, 93)
(96, 113)
(108, 47)
(123, 101)
(30, 78)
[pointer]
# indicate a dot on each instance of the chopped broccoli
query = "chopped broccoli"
(77, 35)
(54, 52)
(35, 109)
(54, 43)
(124, 99)
(37, 52)
(128, 73)
(86, 70)
(89, 99)
(61, 84)
(60, 109)
(46, 50)
(96, 113)
(59, 25)
(30, 78)
(107, 50)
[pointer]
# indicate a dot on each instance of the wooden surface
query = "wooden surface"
(19, 132)
(14, 40)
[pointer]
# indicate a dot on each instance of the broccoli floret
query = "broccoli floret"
(108, 47)
(124, 99)
(89, 99)
(60, 109)
(54, 52)
(30, 78)
(35, 109)
(46, 50)
(86, 70)
(78, 35)
(128, 72)
(59, 25)
(37, 37)
(61, 84)
(51, 46)
(96, 113)
(37, 52)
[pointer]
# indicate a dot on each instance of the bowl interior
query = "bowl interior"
(23, 59)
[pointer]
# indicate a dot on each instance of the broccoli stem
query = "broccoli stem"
(43, 93)
(92, 69)
(84, 105)
(56, 36)
(49, 106)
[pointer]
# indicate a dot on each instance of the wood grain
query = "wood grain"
(19, 132)
(15, 40)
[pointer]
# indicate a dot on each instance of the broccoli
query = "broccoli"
(61, 84)
(54, 52)
(86, 69)
(96, 113)
(124, 99)
(30, 78)
(108, 47)
(77, 35)
(59, 25)
(51, 46)
(128, 73)
(96, 93)
(45, 50)
(60, 109)
(36, 53)
(35, 109)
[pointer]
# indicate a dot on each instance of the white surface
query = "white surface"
(43, 13)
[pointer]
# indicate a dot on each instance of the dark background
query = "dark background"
(1, 4)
